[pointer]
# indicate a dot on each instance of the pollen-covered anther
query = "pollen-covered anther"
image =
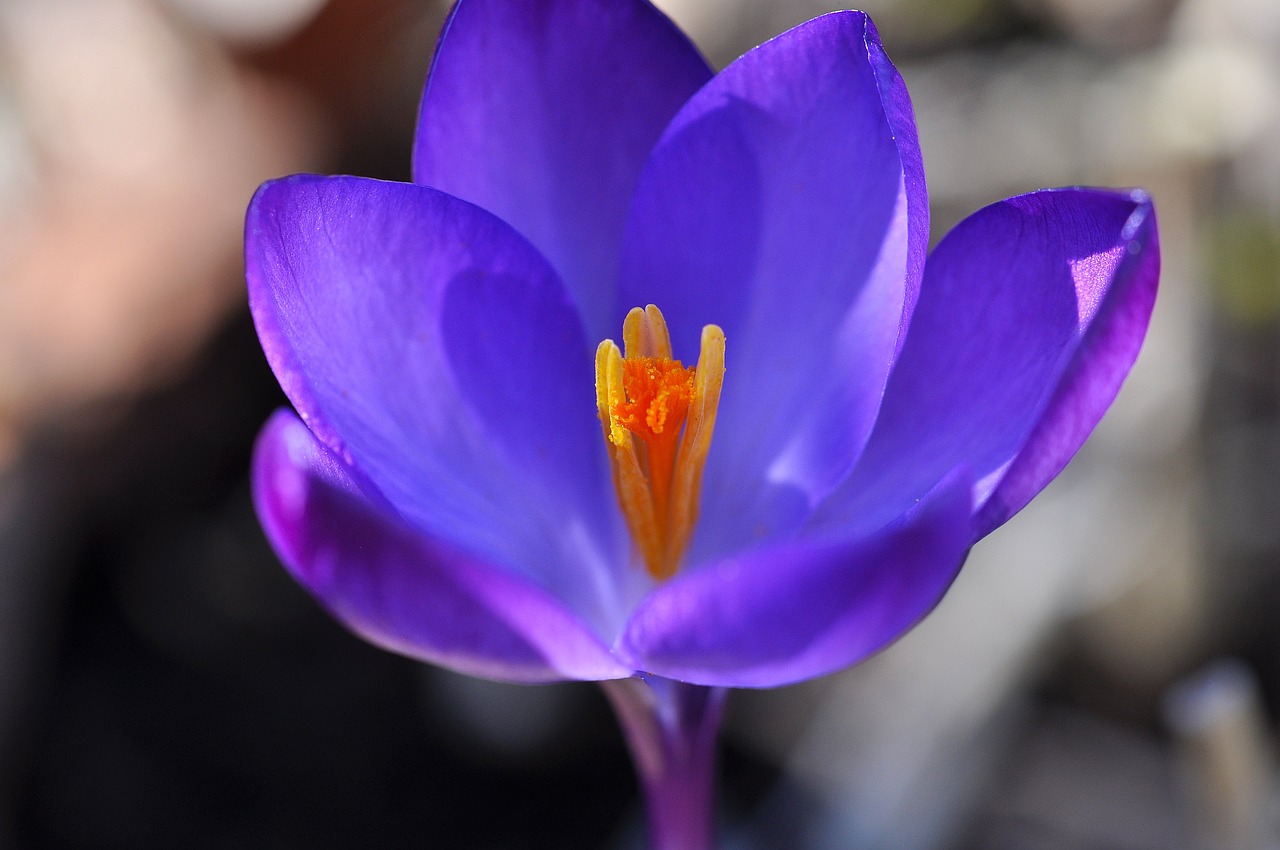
(658, 392)
(658, 416)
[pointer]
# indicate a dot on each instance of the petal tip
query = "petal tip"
(280, 490)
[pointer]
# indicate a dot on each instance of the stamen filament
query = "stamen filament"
(695, 443)
(628, 478)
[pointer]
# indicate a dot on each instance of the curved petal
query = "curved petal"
(803, 609)
(786, 204)
(543, 112)
(902, 122)
(404, 591)
(1032, 312)
(1106, 352)
(429, 346)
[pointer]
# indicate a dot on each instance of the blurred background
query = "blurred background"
(1104, 674)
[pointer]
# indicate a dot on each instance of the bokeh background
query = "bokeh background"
(1105, 674)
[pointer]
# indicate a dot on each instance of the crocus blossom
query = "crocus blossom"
(462, 483)
(444, 489)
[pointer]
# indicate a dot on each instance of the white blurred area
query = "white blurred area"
(261, 22)
(129, 143)
(1069, 692)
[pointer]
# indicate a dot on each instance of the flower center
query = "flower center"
(658, 416)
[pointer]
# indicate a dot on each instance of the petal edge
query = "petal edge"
(1012, 299)
(1092, 379)
(401, 590)
(803, 609)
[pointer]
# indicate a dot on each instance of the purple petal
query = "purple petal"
(432, 348)
(543, 112)
(804, 608)
(902, 121)
(1107, 350)
(1032, 312)
(402, 590)
(786, 204)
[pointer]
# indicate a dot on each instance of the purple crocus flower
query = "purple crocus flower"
(446, 489)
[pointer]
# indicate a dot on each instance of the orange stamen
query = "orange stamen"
(658, 416)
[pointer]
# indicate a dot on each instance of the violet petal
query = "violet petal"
(543, 112)
(805, 608)
(402, 590)
(431, 347)
(1031, 313)
(779, 206)
(902, 121)
(1106, 351)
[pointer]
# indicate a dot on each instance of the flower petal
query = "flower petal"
(543, 112)
(429, 346)
(804, 608)
(786, 204)
(1106, 352)
(404, 591)
(1031, 314)
(902, 122)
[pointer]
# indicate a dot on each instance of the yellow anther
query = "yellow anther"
(658, 417)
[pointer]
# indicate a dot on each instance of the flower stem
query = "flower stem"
(670, 728)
